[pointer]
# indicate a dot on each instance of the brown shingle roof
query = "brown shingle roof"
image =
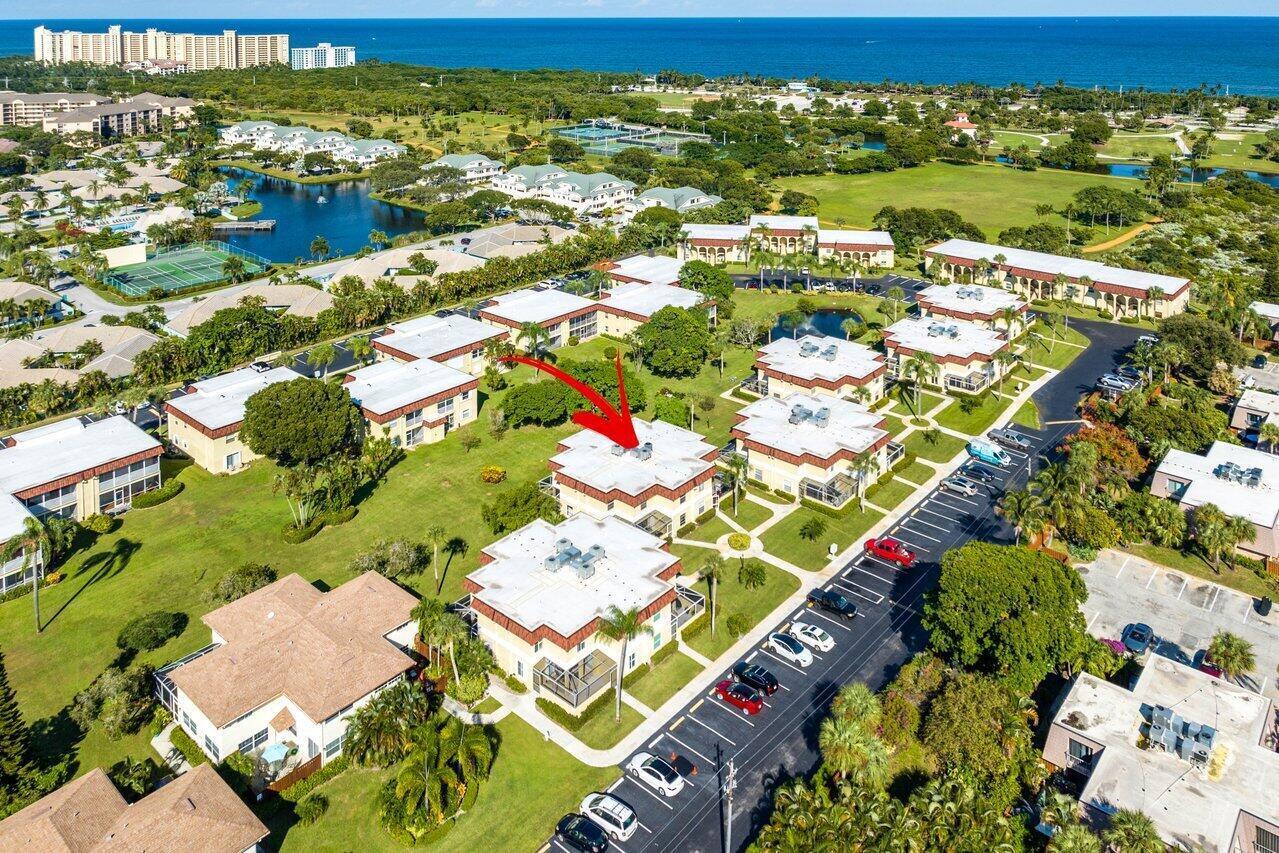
(283, 720)
(72, 818)
(321, 650)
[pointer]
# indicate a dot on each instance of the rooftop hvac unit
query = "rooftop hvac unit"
(830, 352)
(618, 450)
(952, 331)
(936, 330)
(978, 294)
(644, 452)
(595, 551)
(963, 292)
(822, 418)
(562, 544)
(799, 414)
(808, 348)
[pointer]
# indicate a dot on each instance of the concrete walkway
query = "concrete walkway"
(466, 715)
(169, 754)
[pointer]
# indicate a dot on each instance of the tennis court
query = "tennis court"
(177, 268)
(590, 132)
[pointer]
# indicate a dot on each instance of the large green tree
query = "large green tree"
(15, 737)
(713, 282)
(302, 422)
(676, 342)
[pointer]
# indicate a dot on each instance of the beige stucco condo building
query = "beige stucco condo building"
(663, 484)
(454, 340)
(785, 235)
(716, 244)
(204, 423)
(563, 315)
(823, 366)
(819, 448)
(972, 303)
(415, 402)
(541, 592)
(964, 352)
(870, 249)
(1123, 292)
(625, 308)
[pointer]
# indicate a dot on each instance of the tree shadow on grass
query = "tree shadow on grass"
(455, 547)
(54, 738)
(99, 567)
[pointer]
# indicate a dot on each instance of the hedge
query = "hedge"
(880, 403)
(741, 394)
(1132, 321)
(855, 505)
(906, 461)
(573, 722)
(155, 497)
(514, 685)
(293, 793)
(664, 652)
(339, 516)
(182, 743)
(297, 535)
(696, 627)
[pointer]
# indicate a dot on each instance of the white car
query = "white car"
(613, 816)
(789, 649)
(811, 635)
(656, 772)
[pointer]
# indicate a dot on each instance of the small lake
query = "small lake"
(1138, 171)
(824, 322)
(345, 219)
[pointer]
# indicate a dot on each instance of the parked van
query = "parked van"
(989, 453)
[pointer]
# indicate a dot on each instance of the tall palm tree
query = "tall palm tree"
(919, 369)
(361, 348)
(436, 536)
(234, 268)
(467, 747)
(850, 750)
(736, 464)
(35, 546)
(377, 238)
(1132, 831)
(713, 573)
(534, 337)
(379, 733)
(1211, 532)
(851, 327)
(1232, 654)
(1011, 317)
(1023, 509)
(320, 248)
(1269, 434)
(1004, 359)
(320, 357)
(1238, 531)
(857, 703)
(1075, 838)
(449, 630)
(427, 612)
(622, 626)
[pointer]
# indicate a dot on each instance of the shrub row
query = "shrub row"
(696, 627)
(296, 535)
(514, 685)
(293, 793)
(158, 496)
(182, 743)
(853, 506)
(741, 394)
(573, 722)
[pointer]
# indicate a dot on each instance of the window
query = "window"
(334, 746)
(657, 640)
(189, 724)
(232, 461)
(1080, 751)
(1176, 489)
(211, 748)
(581, 647)
(519, 668)
(537, 647)
(682, 498)
(610, 505)
(252, 742)
(466, 395)
(630, 660)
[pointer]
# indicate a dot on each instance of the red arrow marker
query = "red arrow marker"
(614, 425)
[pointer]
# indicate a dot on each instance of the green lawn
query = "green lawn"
(487, 706)
(1241, 153)
(891, 493)
(783, 539)
(601, 731)
(735, 598)
(1244, 580)
(1052, 354)
(942, 449)
(664, 681)
(505, 817)
(767, 306)
(1130, 146)
(993, 197)
(978, 420)
(896, 426)
(1027, 415)
(749, 514)
(710, 531)
(691, 556)
(917, 472)
(905, 405)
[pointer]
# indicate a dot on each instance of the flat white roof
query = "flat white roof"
(1259, 504)
(518, 584)
(854, 237)
(816, 357)
(677, 456)
(736, 233)
(1259, 401)
(971, 299)
(219, 402)
(658, 269)
(535, 306)
(13, 517)
(851, 426)
(944, 337)
(430, 336)
(784, 223)
(390, 385)
(1042, 262)
(63, 448)
(1190, 807)
(1269, 310)
(647, 299)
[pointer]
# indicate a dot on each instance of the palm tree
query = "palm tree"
(427, 612)
(1232, 654)
(377, 238)
(234, 269)
(736, 464)
(1238, 531)
(855, 702)
(919, 369)
(713, 573)
(534, 337)
(320, 248)
(1023, 509)
(849, 749)
(379, 732)
(1075, 838)
(1211, 532)
(35, 545)
(467, 747)
(321, 357)
(1132, 831)
(449, 629)
(1011, 317)
(851, 327)
(622, 626)
(1004, 359)
(1269, 434)
(361, 348)
(436, 536)
(424, 783)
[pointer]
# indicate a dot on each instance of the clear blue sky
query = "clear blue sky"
(126, 9)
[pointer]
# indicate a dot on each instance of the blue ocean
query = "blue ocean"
(1157, 53)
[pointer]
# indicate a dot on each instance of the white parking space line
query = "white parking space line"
(686, 746)
(1124, 566)
(1088, 627)
(655, 796)
(1215, 594)
(943, 516)
(890, 580)
(914, 519)
(813, 612)
(556, 842)
(720, 703)
(1152, 578)
(1184, 583)
(616, 782)
(912, 533)
(711, 729)
(954, 496)
(876, 561)
(860, 591)
(782, 662)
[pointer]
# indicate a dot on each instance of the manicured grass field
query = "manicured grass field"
(978, 420)
(942, 449)
(601, 731)
(749, 514)
(710, 531)
(917, 472)
(1239, 153)
(1138, 146)
(905, 405)
(895, 425)
(1055, 355)
(1027, 415)
(664, 680)
(891, 493)
(993, 197)
(783, 539)
(691, 556)
(735, 598)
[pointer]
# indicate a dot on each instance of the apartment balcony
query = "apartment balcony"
(577, 684)
(756, 385)
(971, 384)
(688, 605)
(659, 524)
(895, 451)
(892, 367)
(835, 492)
(547, 486)
(728, 451)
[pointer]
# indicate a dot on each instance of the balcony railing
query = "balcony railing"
(547, 485)
(973, 382)
(578, 683)
(164, 689)
(688, 605)
(657, 523)
(895, 451)
(835, 492)
(757, 386)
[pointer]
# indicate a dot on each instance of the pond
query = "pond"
(825, 322)
(344, 219)
(1138, 171)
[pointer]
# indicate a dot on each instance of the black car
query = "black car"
(973, 471)
(828, 599)
(1259, 361)
(579, 833)
(754, 675)
(873, 289)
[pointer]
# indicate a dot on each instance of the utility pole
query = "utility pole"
(730, 783)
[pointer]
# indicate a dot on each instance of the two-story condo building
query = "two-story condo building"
(644, 269)
(680, 200)
(785, 235)
(413, 402)
(964, 352)
(1253, 409)
(205, 421)
(661, 485)
(71, 469)
(268, 136)
(865, 248)
(974, 303)
(475, 168)
(541, 593)
(563, 315)
(1039, 275)
(454, 340)
(716, 244)
(821, 448)
(625, 308)
(825, 367)
(288, 664)
(583, 194)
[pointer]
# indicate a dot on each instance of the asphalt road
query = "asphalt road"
(781, 743)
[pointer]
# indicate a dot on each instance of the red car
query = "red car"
(888, 548)
(740, 695)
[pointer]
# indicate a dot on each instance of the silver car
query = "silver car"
(960, 485)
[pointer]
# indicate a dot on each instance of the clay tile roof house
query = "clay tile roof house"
(298, 300)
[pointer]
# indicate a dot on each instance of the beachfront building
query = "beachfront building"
(196, 812)
(323, 55)
(415, 402)
(625, 308)
(296, 300)
(1240, 481)
(1038, 275)
(138, 114)
(1194, 753)
(815, 447)
(644, 269)
(29, 109)
(583, 194)
(661, 485)
(562, 315)
(785, 235)
(716, 244)
(965, 353)
(680, 199)
(287, 666)
(988, 307)
(867, 249)
(540, 594)
(821, 366)
(204, 423)
(199, 52)
(475, 168)
(454, 340)
(268, 136)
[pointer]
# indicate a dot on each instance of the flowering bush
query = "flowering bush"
(739, 541)
(492, 474)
